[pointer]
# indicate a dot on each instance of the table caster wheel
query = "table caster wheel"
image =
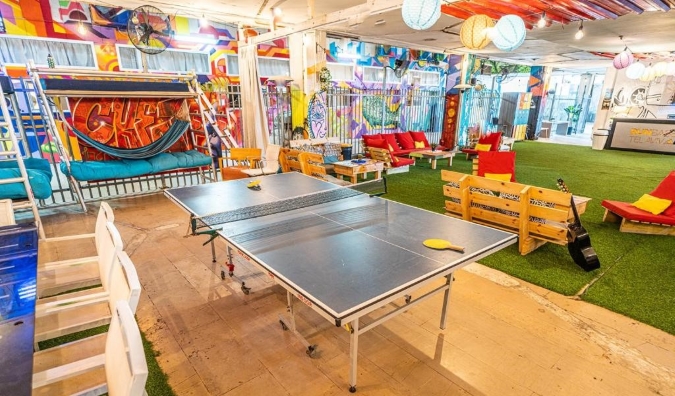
(310, 350)
(352, 389)
(245, 289)
(283, 325)
(222, 275)
(408, 299)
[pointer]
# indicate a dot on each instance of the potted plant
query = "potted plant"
(573, 112)
(433, 146)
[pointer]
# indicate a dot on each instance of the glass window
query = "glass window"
(340, 72)
(268, 67)
(17, 50)
(170, 60)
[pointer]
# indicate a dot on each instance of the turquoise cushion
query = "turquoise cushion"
(330, 159)
(38, 179)
(31, 163)
(102, 170)
(163, 162)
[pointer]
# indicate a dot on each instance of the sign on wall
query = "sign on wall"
(656, 136)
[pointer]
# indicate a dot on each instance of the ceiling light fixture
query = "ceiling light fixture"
(203, 21)
(276, 11)
(542, 22)
(580, 33)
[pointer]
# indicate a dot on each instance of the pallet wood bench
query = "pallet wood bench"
(538, 215)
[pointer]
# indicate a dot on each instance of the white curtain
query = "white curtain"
(252, 108)
(18, 50)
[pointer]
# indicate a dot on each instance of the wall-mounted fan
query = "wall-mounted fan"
(401, 67)
(149, 29)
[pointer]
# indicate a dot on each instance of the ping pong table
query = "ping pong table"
(342, 252)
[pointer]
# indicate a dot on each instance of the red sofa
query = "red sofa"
(493, 139)
(399, 144)
(639, 221)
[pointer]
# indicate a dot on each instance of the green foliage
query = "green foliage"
(637, 270)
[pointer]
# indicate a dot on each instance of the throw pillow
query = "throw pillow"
(330, 159)
(483, 147)
(652, 204)
(419, 145)
(405, 140)
(498, 176)
(378, 143)
(367, 138)
(420, 137)
(332, 149)
(391, 141)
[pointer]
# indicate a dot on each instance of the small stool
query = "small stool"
(543, 133)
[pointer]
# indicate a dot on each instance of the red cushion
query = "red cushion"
(420, 137)
(470, 151)
(630, 212)
(404, 153)
(400, 161)
(405, 140)
(497, 162)
(391, 140)
(379, 143)
(666, 189)
(368, 138)
(492, 139)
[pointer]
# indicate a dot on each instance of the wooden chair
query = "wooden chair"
(238, 159)
(113, 362)
(105, 214)
(68, 315)
(62, 277)
(312, 165)
(289, 160)
(269, 165)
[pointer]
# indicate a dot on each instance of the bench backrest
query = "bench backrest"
(381, 155)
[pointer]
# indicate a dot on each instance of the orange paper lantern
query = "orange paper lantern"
(474, 32)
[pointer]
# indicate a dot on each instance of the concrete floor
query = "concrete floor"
(504, 336)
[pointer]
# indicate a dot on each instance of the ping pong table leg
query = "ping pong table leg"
(213, 250)
(353, 353)
(446, 298)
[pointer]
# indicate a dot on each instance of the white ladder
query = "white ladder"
(15, 154)
(209, 114)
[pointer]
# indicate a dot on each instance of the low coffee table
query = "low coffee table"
(353, 169)
(434, 156)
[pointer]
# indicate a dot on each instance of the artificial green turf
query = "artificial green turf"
(157, 383)
(637, 271)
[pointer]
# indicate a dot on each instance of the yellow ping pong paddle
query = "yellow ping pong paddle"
(441, 244)
(254, 185)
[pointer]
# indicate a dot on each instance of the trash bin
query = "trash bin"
(599, 139)
(346, 151)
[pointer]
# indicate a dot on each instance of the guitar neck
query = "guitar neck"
(563, 187)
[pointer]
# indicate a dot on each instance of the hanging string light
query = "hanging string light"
(474, 31)
(541, 23)
(421, 14)
(580, 33)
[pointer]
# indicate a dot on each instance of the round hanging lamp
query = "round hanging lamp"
(635, 70)
(509, 33)
(660, 68)
(648, 74)
(421, 14)
(474, 31)
(670, 70)
(623, 59)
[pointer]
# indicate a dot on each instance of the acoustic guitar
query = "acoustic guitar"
(579, 242)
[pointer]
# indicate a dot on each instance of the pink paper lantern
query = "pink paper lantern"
(623, 59)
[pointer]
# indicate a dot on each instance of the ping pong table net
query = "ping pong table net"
(374, 188)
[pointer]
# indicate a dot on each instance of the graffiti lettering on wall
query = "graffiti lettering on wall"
(124, 122)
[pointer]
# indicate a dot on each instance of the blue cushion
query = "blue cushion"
(38, 179)
(31, 163)
(196, 158)
(163, 162)
(102, 170)
(330, 159)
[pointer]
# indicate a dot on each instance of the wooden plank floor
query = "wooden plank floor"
(504, 336)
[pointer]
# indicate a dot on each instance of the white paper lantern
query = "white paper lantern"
(474, 31)
(648, 74)
(509, 32)
(660, 68)
(623, 59)
(670, 70)
(635, 70)
(421, 14)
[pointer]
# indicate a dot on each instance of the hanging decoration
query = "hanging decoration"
(623, 59)
(660, 69)
(670, 69)
(509, 33)
(648, 75)
(635, 70)
(474, 31)
(421, 14)
(325, 78)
